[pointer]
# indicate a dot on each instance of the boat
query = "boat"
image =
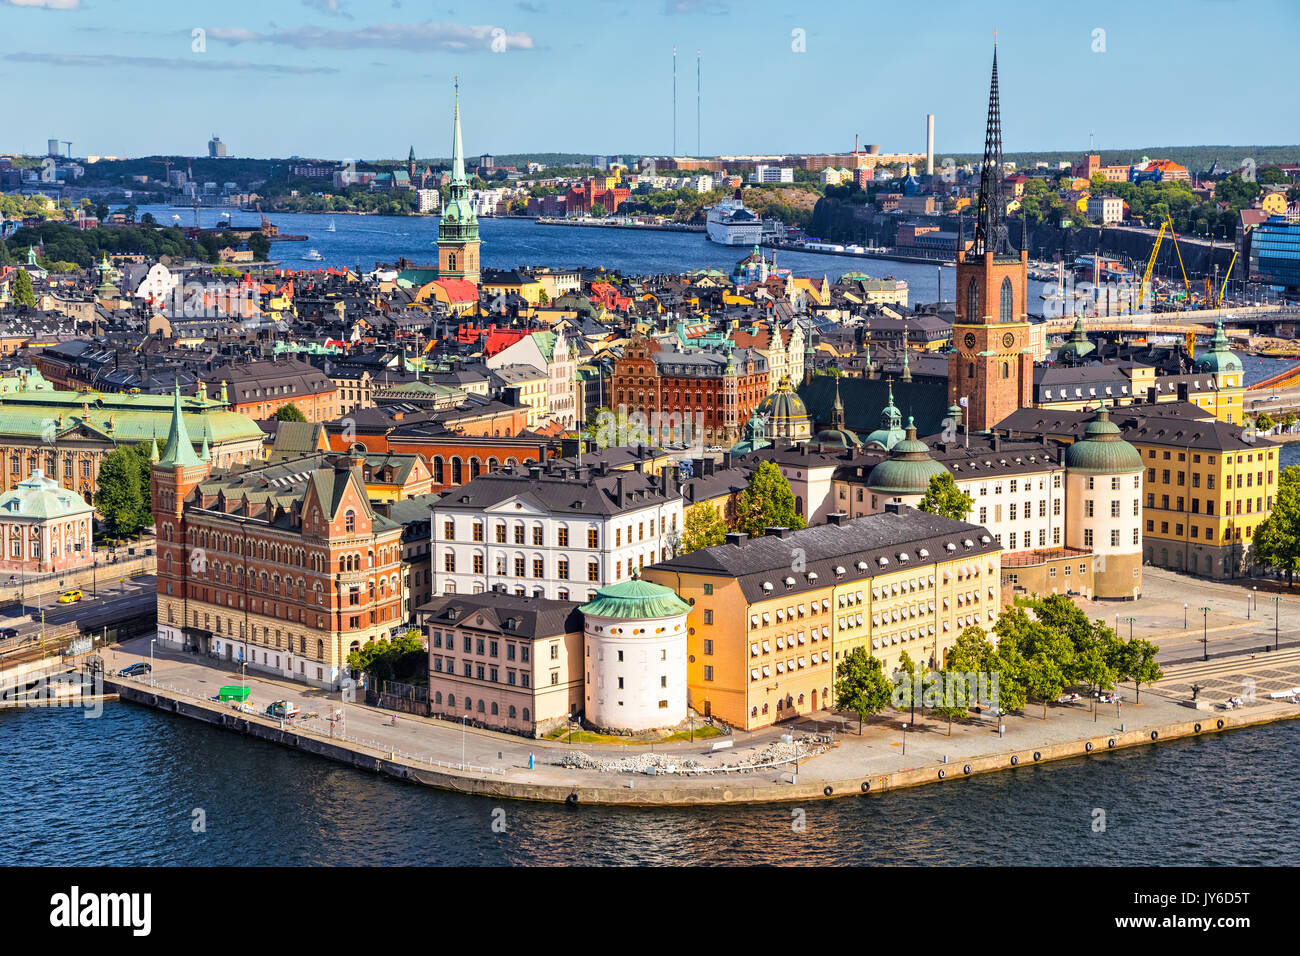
(331, 227)
(731, 224)
(311, 255)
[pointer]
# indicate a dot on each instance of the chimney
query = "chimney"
(535, 472)
(837, 518)
(569, 447)
(1183, 392)
(726, 459)
(1151, 395)
(620, 497)
(776, 531)
(893, 508)
(997, 440)
(929, 144)
(738, 538)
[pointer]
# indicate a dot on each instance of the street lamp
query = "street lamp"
(152, 642)
(1277, 603)
(1131, 621)
(1205, 640)
(463, 718)
(904, 739)
(1184, 615)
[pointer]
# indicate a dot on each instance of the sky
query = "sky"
(368, 79)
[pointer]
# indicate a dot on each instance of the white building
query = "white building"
(428, 200)
(764, 173)
(635, 657)
(550, 351)
(1105, 209)
(558, 531)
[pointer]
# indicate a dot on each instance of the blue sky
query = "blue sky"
(366, 79)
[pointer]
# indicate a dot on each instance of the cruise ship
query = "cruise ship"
(731, 224)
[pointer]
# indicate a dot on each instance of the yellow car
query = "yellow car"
(69, 597)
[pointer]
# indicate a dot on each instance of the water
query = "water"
(122, 789)
(508, 243)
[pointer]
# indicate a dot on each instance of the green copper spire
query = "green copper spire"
(31, 256)
(205, 454)
(180, 450)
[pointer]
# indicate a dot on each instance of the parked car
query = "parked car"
(135, 670)
(70, 597)
(8, 632)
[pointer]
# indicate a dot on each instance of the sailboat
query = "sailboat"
(330, 227)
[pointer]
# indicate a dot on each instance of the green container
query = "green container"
(233, 693)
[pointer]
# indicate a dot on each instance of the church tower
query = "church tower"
(458, 242)
(991, 366)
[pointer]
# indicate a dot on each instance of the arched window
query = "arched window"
(474, 468)
(513, 712)
(1005, 310)
(494, 708)
(525, 713)
(455, 472)
(970, 370)
(350, 521)
(451, 261)
(1006, 369)
(451, 700)
(972, 300)
(437, 469)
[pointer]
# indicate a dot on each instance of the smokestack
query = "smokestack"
(674, 99)
(929, 144)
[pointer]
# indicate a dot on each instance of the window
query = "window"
(537, 536)
(1007, 303)
(562, 535)
(708, 674)
(708, 615)
(593, 537)
(1087, 537)
(593, 570)
(449, 530)
(501, 534)
(972, 305)
(478, 530)
(708, 589)
(519, 533)
(1114, 538)
(537, 567)
(563, 570)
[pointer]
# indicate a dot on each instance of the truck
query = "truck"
(282, 708)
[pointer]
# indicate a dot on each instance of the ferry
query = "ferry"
(731, 224)
(311, 255)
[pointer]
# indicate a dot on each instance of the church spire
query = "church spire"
(457, 150)
(990, 224)
(179, 452)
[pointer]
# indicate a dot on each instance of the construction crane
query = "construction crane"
(166, 164)
(1151, 264)
(1224, 288)
(1187, 288)
(67, 143)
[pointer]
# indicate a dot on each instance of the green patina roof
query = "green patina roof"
(41, 497)
(1220, 357)
(118, 416)
(1102, 449)
(635, 600)
(909, 468)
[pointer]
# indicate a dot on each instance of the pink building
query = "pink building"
(45, 528)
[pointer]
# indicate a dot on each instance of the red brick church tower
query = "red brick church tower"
(991, 366)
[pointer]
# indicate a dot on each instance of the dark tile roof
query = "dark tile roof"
(508, 615)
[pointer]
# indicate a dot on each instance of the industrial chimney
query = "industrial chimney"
(929, 144)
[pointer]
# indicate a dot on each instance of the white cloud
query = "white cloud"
(332, 7)
(46, 4)
(170, 63)
(419, 37)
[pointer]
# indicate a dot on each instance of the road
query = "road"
(109, 604)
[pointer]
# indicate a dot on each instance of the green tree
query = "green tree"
(101, 211)
(399, 659)
(290, 413)
(1140, 665)
(119, 497)
(1264, 422)
(129, 212)
(1290, 420)
(598, 211)
(861, 686)
(703, 527)
(955, 695)
(1277, 539)
(944, 498)
(148, 219)
(260, 246)
(21, 291)
(767, 502)
(1044, 679)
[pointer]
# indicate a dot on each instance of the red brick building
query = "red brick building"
(580, 199)
(286, 568)
(709, 393)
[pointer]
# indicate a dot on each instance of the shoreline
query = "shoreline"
(639, 789)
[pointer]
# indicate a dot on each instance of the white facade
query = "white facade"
(1108, 513)
(531, 551)
(157, 283)
(636, 672)
(764, 173)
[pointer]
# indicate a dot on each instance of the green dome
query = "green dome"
(909, 468)
(890, 432)
(1078, 345)
(1102, 450)
(1220, 357)
(635, 600)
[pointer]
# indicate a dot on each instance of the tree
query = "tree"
(944, 498)
(1140, 665)
(129, 212)
(598, 211)
(148, 219)
(955, 698)
(767, 502)
(118, 497)
(1264, 422)
(260, 246)
(21, 291)
(861, 686)
(703, 528)
(398, 659)
(1044, 679)
(1289, 421)
(1277, 539)
(101, 211)
(290, 413)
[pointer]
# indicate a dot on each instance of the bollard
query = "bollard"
(945, 758)
(1121, 728)
(530, 761)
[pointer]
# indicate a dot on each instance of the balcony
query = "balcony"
(1027, 559)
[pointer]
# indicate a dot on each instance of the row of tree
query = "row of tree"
(1037, 656)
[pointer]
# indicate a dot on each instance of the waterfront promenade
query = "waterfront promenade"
(432, 751)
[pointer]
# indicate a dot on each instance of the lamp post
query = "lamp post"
(463, 718)
(1205, 639)
(152, 642)
(1131, 621)
(904, 739)
(1277, 604)
(1184, 615)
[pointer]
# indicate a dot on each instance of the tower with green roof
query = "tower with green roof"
(458, 239)
(172, 477)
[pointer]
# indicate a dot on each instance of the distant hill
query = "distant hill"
(1197, 159)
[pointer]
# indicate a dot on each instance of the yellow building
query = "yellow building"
(522, 284)
(1207, 485)
(771, 617)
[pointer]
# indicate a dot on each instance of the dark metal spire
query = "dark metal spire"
(991, 225)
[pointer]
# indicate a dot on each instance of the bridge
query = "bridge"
(1194, 320)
